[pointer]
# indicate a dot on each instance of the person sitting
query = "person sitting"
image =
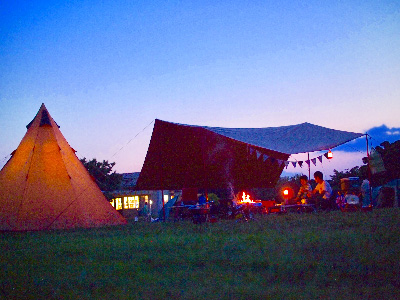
(305, 190)
(323, 190)
(340, 200)
(202, 200)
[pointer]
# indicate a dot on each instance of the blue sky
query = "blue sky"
(106, 69)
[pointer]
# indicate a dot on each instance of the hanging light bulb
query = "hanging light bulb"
(329, 154)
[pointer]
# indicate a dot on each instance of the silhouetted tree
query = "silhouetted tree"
(106, 179)
(390, 154)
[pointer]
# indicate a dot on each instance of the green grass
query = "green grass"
(295, 256)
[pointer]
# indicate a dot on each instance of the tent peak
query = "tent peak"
(44, 116)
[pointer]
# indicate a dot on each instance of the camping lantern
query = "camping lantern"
(287, 193)
(329, 154)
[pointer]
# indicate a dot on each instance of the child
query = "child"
(305, 190)
(340, 200)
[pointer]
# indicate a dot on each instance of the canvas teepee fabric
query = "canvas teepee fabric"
(45, 186)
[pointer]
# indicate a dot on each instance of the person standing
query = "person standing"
(146, 212)
(365, 192)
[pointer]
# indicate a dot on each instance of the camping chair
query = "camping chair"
(350, 207)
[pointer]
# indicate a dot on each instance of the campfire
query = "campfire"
(245, 199)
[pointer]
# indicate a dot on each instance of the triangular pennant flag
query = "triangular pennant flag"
(251, 150)
(326, 155)
(272, 159)
(280, 162)
(314, 161)
(265, 157)
(294, 164)
(308, 162)
(300, 164)
(286, 164)
(320, 159)
(258, 153)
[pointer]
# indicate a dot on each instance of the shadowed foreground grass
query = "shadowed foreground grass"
(295, 256)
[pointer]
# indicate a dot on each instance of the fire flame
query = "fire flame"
(246, 198)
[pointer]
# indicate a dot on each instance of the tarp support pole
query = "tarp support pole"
(309, 166)
(369, 172)
(204, 170)
(163, 204)
(162, 183)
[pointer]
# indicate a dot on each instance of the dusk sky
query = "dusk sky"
(106, 69)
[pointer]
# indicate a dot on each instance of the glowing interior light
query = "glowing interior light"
(330, 154)
(286, 192)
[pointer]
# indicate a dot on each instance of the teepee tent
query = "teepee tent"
(45, 186)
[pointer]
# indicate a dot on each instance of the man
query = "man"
(146, 212)
(305, 189)
(323, 189)
(365, 192)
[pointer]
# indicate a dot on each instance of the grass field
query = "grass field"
(294, 256)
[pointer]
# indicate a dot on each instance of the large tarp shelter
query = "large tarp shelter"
(45, 186)
(187, 156)
(292, 139)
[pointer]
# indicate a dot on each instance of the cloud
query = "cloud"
(377, 135)
(397, 132)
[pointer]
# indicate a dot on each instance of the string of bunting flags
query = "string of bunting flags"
(265, 157)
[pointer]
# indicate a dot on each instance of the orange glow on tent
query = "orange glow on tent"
(45, 186)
